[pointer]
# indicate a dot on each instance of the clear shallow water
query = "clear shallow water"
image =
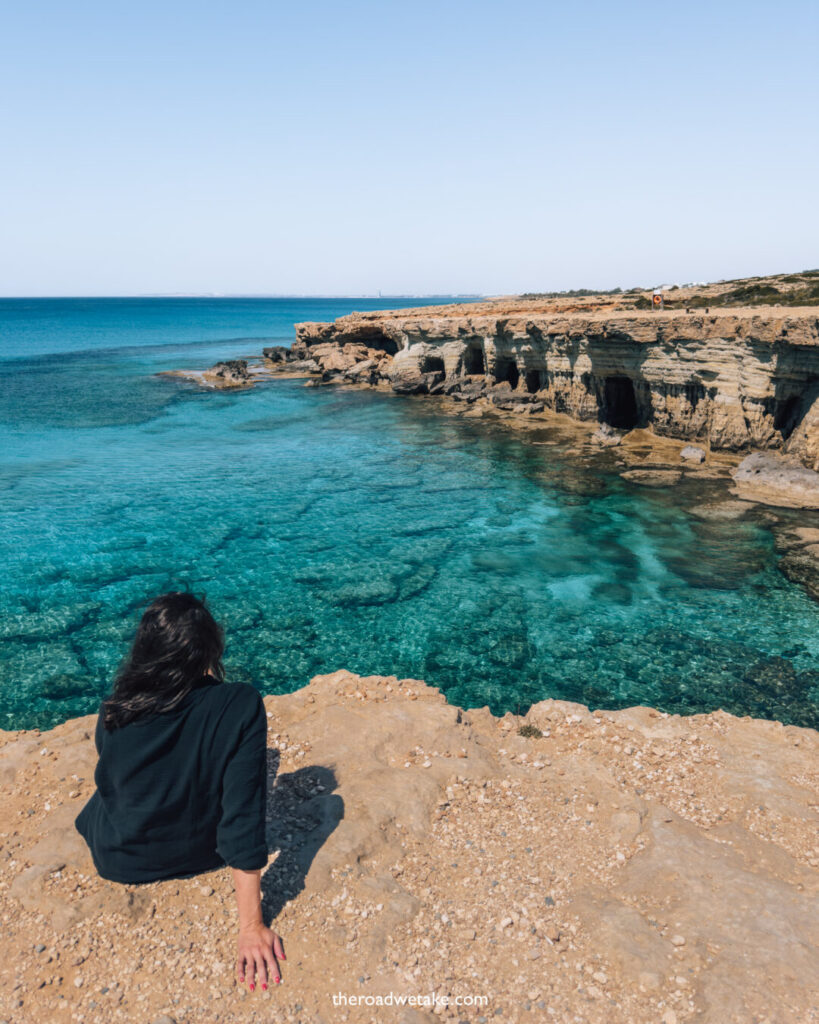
(353, 529)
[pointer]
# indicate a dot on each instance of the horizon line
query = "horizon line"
(260, 295)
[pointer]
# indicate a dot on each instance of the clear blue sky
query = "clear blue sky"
(342, 148)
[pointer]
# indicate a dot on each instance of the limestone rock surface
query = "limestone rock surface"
(691, 453)
(773, 480)
(612, 866)
(737, 380)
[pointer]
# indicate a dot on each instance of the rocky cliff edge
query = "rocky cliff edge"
(736, 380)
(620, 866)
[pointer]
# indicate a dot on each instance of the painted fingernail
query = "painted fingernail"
(264, 984)
(252, 986)
(277, 980)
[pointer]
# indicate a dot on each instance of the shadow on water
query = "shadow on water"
(302, 811)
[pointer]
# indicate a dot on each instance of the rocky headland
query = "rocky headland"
(627, 866)
(728, 393)
(721, 392)
(730, 367)
(736, 380)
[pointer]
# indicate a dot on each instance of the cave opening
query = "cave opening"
(372, 337)
(620, 403)
(694, 393)
(787, 415)
(432, 364)
(506, 370)
(473, 361)
(532, 381)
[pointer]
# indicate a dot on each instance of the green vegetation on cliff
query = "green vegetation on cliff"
(799, 289)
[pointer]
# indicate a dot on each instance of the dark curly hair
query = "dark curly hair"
(177, 643)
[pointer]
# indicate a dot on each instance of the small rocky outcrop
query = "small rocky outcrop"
(468, 390)
(626, 865)
(278, 353)
(412, 382)
(774, 480)
(350, 361)
(232, 371)
(277, 361)
(691, 453)
(607, 436)
(290, 360)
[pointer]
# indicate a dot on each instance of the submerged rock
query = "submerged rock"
(721, 510)
(653, 477)
(799, 547)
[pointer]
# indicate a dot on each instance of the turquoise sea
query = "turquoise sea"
(352, 529)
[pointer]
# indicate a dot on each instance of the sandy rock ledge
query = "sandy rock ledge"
(622, 866)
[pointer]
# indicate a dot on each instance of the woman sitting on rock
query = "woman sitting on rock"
(182, 774)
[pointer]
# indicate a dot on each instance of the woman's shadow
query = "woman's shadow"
(302, 811)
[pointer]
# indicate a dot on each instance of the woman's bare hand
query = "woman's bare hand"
(258, 951)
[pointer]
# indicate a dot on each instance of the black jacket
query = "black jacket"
(182, 791)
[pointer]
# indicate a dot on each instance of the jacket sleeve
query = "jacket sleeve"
(240, 833)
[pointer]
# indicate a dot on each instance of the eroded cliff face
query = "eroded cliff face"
(740, 380)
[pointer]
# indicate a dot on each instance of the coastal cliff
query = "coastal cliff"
(738, 380)
(615, 866)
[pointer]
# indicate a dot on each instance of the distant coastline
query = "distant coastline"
(465, 296)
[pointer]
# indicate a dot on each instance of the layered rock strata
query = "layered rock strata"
(737, 380)
(613, 867)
